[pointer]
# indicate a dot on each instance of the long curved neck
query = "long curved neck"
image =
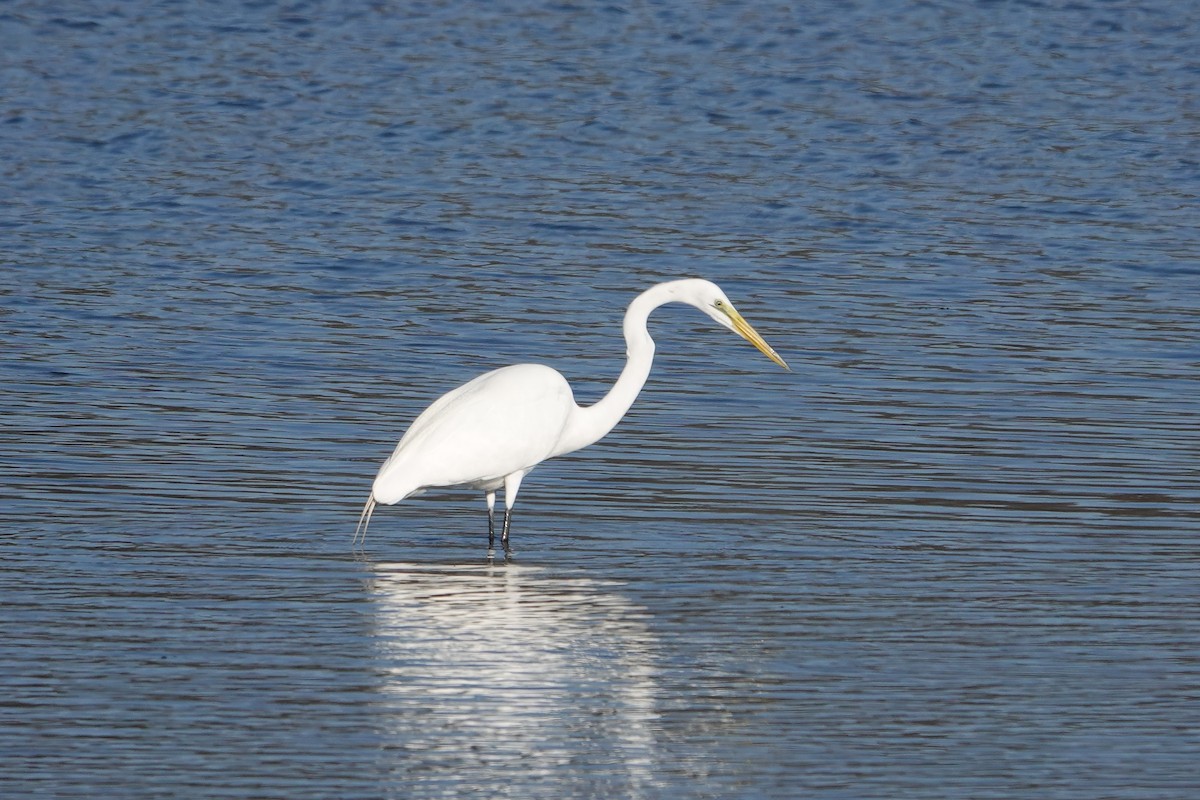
(589, 424)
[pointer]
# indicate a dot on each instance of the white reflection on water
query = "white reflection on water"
(494, 665)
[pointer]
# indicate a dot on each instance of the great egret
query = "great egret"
(491, 431)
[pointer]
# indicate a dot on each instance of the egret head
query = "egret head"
(708, 297)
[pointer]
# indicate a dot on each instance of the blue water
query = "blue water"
(954, 554)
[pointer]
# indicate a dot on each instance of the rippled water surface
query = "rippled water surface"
(956, 553)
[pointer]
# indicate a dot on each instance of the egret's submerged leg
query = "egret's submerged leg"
(491, 504)
(364, 521)
(512, 484)
(504, 531)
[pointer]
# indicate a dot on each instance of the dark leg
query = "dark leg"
(507, 522)
(512, 483)
(491, 504)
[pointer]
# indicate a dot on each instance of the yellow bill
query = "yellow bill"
(748, 333)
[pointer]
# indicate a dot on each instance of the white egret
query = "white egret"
(491, 431)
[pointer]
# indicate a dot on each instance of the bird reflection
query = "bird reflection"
(500, 663)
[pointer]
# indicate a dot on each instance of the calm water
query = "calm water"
(955, 554)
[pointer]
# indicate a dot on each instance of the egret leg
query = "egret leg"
(512, 484)
(491, 504)
(364, 521)
(504, 532)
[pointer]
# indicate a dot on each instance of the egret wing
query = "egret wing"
(492, 426)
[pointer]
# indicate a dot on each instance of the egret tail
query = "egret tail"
(364, 521)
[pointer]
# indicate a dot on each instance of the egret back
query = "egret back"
(497, 424)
